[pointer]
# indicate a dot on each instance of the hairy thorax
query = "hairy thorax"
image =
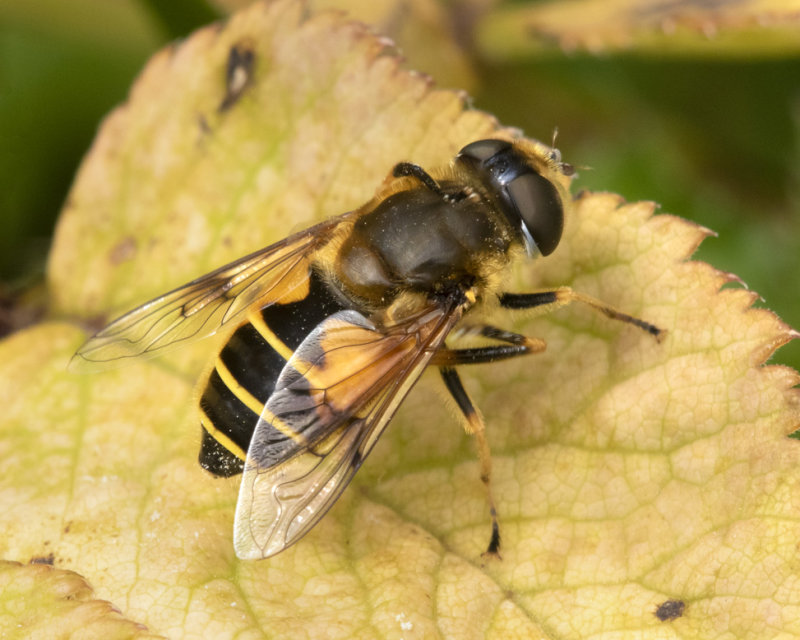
(414, 242)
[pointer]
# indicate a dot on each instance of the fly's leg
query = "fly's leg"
(516, 345)
(446, 359)
(474, 425)
(556, 298)
(403, 169)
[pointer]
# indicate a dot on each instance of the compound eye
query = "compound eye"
(539, 206)
(482, 150)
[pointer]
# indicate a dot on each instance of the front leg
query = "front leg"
(554, 299)
(404, 169)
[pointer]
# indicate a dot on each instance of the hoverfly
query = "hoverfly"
(332, 327)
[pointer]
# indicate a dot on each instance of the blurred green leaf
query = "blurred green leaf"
(744, 29)
(179, 17)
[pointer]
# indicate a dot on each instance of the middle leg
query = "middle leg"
(474, 426)
(516, 345)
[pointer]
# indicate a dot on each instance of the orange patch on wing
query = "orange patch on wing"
(355, 363)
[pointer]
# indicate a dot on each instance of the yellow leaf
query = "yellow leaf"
(643, 488)
(753, 28)
(39, 602)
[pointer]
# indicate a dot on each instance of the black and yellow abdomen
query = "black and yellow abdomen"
(245, 371)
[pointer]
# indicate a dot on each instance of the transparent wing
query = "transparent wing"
(331, 403)
(201, 307)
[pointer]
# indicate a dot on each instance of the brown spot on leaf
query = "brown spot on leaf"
(202, 122)
(124, 250)
(48, 559)
(20, 308)
(238, 74)
(670, 610)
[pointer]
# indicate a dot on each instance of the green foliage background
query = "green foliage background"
(712, 138)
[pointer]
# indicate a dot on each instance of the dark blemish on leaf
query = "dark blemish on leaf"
(92, 325)
(670, 610)
(66, 528)
(48, 559)
(124, 250)
(540, 34)
(19, 308)
(238, 74)
(205, 128)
